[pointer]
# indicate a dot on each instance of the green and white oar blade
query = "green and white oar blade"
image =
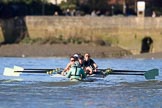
(10, 72)
(151, 74)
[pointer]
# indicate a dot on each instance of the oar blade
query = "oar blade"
(151, 74)
(10, 72)
(18, 68)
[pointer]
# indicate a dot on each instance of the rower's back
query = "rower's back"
(76, 72)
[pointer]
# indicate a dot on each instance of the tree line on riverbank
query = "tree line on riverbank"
(14, 8)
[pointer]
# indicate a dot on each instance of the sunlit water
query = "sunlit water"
(114, 91)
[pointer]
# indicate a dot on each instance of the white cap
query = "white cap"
(76, 55)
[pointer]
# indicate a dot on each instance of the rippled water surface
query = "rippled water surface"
(114, 91)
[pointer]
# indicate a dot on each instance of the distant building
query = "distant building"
(56, 1)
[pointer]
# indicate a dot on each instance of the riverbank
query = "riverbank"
(60, 50)
(157, 55)
(63, 50)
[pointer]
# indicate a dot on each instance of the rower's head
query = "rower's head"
(80, 59)
(86, 56)
(76, 55)
(72, 59)
(76, 64)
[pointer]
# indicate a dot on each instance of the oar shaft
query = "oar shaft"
(118, 73)
(128, 71)
(121, 70)
(37, 69)
(26, 71)
(59, 70)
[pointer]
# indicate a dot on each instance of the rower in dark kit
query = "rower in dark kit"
(81, 59)
(89, 65)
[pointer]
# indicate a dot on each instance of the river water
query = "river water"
(114, 91)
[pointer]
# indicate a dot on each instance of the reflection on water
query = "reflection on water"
(114, 91)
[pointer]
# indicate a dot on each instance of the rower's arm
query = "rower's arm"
(95, 67)
(84, 75)
(67, 67)
(68, 75)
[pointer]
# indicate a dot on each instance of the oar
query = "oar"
(150, 74)
(36, 70)
(30, 71)
(121, 70)
(33, 69)
(10, 72)
(13, 72)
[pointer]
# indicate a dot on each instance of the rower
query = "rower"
(76, 72)
(68, 66)
(76, 55)
(80, 60)
(89, 65)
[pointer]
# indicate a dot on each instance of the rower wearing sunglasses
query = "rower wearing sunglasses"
(69, 65)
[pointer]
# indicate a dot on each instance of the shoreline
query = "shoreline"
(156, 55)
(66, 50)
